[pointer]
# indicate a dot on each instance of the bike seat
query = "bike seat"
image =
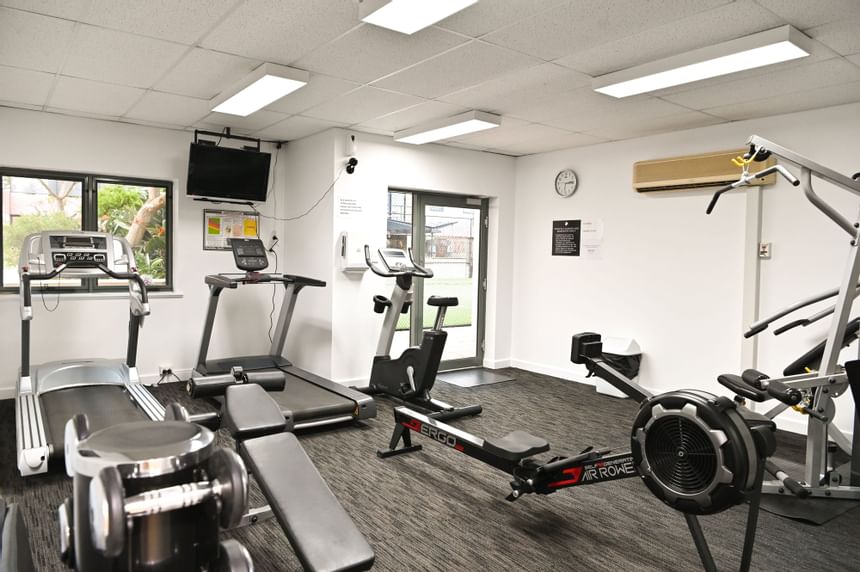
(442, 301)
(516, 445)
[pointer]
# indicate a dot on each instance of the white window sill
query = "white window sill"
(51, 296)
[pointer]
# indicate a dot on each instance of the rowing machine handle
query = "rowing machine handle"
(738, 386)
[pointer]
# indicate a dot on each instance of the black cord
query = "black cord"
(274, 172)
(307, 212)
(274, 289)
(42, 289)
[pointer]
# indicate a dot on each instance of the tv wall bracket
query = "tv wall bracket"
(225, 135)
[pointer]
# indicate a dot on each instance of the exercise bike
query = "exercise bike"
(698, 453)
(410, 377)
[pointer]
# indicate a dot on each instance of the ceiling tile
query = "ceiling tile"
(854, 59)
(561, 140)
(118, 57)
(621, 129)
(521, 88)
(799, 101)
(591, 110)
(485, 17)
(320, 89)
(497, 138)
(204, 73)
(582, 24)
(842, 36)
(169, 109)
(182, 22)
(66, 9)
(295, 127)
(412, 116)
(254, 122)
(24, 86)
(104, 99)
(706, 28)
(370, 52)
(807, 14)
(457, 144)
(507, 133)
(282, 31)
(362, 105)
(468, 65)
(33, 41)
(776, 83)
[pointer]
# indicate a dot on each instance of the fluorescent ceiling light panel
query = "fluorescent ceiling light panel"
(448, 128)
(266, 84)
(409, 16)
(762, 49)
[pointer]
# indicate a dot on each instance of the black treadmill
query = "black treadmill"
(311, 400)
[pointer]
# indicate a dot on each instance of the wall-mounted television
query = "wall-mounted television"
(227, 173)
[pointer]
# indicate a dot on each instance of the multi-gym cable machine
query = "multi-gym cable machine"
(812, 393)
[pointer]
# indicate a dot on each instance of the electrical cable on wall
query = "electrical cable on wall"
(307, 212)
(42, 289)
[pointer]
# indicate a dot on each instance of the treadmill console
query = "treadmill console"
(78, 250)
(249, 254)
(396, 259)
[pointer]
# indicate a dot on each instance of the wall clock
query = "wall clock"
(565, 183)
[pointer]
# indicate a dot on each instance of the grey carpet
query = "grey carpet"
(439, 510)
(474, 376)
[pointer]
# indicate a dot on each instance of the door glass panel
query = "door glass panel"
(452, 247)
(32, 205)
(399, 235)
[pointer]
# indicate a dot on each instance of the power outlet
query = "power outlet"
(164, 370)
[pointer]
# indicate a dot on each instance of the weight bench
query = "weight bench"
(322, 534)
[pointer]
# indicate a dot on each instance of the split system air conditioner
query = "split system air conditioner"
(693, 172)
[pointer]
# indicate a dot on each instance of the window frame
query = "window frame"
(89, 220)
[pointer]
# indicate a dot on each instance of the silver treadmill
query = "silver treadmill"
(108, 391)
(311, 400)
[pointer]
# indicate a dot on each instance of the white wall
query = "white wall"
(670, 276)
(345, 316)
(87, 327)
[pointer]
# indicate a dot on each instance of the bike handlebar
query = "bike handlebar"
(387, 272)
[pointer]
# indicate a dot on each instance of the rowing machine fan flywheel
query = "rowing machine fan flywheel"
(694, 451)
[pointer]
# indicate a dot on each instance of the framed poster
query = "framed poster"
(220, 226)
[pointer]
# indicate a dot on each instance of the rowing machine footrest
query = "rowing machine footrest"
(320, 531)
(250, 412)
(516, 445)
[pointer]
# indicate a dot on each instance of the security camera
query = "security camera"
(350, 151)
(350, 165)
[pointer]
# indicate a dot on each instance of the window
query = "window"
(138, 210)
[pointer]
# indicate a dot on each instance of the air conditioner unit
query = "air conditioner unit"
(693, 172)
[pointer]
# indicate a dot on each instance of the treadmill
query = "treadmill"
(311, 400)
(108, 391)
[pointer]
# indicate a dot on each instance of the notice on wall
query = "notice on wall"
(348, 206)
(592, 238)
(580, 237)
(220, 226)
(566, 237)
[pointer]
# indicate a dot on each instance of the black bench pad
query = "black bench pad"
(516, 445)
(251, 412)
(320, 531)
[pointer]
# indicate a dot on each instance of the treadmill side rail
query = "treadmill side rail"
(145, 400)
(33, 448)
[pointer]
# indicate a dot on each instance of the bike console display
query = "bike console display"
(395, 259)
(249, 254)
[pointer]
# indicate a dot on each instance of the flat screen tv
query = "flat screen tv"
(227, 173)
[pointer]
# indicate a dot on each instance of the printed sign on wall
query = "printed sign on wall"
(566, 235)
(220, 226)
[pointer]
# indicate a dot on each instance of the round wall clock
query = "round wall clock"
(565, 183)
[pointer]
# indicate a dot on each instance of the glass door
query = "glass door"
(447, 234)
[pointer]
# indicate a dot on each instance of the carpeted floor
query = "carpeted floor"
(438, 510)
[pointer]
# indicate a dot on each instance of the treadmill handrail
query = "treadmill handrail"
(388, 272)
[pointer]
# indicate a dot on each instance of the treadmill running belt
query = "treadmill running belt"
(310, 402)
(104, 405)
